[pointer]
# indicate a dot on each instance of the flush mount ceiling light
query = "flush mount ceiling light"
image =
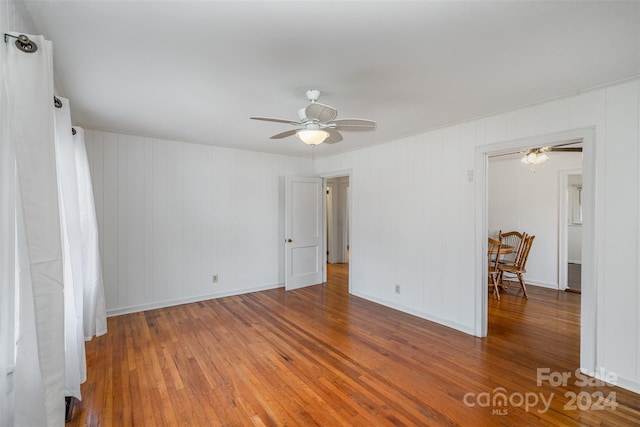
(534, 157)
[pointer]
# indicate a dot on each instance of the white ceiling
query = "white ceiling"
(197, 70)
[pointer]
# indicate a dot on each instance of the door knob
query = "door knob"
(289, 240)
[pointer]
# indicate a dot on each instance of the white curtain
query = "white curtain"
(84, 304)
(94, 307)
(75, 366)
(40, 358)
(58, 275)
(7, 258)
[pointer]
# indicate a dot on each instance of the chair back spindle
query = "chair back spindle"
(518, 268)
(514, 239)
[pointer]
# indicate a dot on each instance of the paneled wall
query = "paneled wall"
(414, 213)
(525, 201)
(411, 221)
(173, 214)
(574, 240)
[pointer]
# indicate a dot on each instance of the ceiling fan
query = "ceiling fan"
(536, 156)
(558, 148)
(317, 123)
(569, 147)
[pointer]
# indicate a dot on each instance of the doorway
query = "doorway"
(570, 229)
(338, 220)
(574, 237)
(588, 317)
(338, 224)
(544, 202)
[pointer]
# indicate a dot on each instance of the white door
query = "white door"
(303, 231)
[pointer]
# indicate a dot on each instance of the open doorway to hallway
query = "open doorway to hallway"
(571, 230)
(338, 220)
(337, 226)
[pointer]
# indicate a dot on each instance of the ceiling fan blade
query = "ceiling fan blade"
(285, 134)
(334, 136)
(269, 119)
(322, 113)
(568, 149)
(353, 125)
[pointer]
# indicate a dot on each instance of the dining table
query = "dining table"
(504, 250)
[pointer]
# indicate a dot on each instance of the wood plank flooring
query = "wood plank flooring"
(319, 356)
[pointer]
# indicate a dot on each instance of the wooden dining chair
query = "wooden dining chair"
(518, 268)
(515, 239)
(493, 253)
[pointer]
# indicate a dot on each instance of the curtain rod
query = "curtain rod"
(23, 43)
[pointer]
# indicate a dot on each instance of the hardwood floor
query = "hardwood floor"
(318, 356)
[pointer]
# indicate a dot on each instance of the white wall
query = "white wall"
(172, 214)
(414, 212)
(411, 221)
(574, 243)
(529, 202)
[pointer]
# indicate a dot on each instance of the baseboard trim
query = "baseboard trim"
(534, 283)
(606, 376)
(188, 300)
(435, 319)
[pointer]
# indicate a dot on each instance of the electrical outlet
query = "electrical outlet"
(397, 289)
(214, 278)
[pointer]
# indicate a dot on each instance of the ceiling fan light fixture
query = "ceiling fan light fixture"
(312, 136)
(534, 157)
(317, 123)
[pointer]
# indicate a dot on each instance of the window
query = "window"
(575, 204)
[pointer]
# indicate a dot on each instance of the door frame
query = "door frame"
(337, 174)
(590, 329)
(563, 227)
